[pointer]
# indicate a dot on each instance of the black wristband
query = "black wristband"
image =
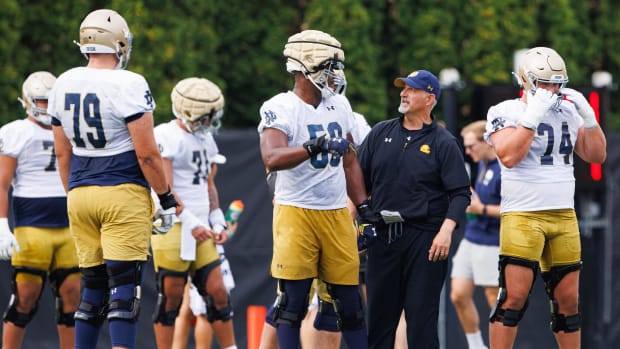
(484, 210)
(167, 200)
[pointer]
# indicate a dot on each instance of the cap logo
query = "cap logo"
(414, 74)
(430, 88)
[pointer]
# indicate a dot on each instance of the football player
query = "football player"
(193, 310)
(535, 138)
(42, 242)
(102, 118)
(189, 247)
(306, 137)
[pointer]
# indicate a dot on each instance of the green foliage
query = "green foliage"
(350, 23)
(238, 44)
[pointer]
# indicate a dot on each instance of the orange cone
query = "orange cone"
(255, 321)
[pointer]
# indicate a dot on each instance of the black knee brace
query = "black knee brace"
(348, 319)
(200, 280)
(326, 318)
(510, 317)
(160, 315)
(559, 321)
(11, 314)
(291, 303)
(214, 314)
(95, 278)
(200, 277)
(124, 273)
(57, 277)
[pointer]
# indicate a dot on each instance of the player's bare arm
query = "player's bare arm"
(62, 148)
(591, 145)
(214, 203)
(7, 169)
(512, 144)
(149, 158)
(356, 189)
(276, 153)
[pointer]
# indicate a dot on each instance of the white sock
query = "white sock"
(231, 347)
(474, 340)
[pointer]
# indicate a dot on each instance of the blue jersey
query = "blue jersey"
(484, 230)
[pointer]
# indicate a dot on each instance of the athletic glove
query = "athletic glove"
(315, 146)
(537, 106)
(163, 221)
(336, 146)
(367, 219)
(366, 236)
(217, 220)
(583, 107)
(7, 240)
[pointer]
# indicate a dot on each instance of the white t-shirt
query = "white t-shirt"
(319, 182)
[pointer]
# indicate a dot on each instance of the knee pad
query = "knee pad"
(62, 318)
(213, 314)
(291, 304)
(57, 277)
(559, 321)
(199, 279)
(11, 314)
(125, 291)
(348, 307)
(326, 318)
(93, 309)
(160, 315)
(510, 317)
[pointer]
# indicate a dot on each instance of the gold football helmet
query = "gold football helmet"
(199, 103)
(37, 87)
(318, 56)
(105, 31)
(541, 64)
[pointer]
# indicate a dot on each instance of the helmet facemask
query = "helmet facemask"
(326, 78)
(542, 64)
(206, 123)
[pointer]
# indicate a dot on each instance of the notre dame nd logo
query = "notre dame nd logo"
(270, 117)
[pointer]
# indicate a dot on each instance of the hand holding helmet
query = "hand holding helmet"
(537, 106)
(583, 107)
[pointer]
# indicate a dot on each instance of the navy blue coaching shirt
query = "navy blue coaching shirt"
(419, 173)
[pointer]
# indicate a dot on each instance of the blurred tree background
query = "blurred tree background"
(238, 44)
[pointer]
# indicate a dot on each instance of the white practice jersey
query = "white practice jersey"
(319, 182)
(544, 179)
(190, 154)
(93, 104)
(36, 175)
(361, 129)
